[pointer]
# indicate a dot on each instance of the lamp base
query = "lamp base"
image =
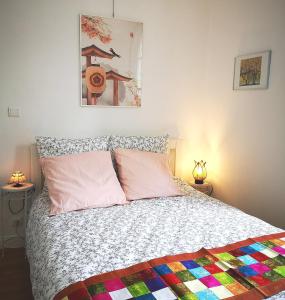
(199, 181)
(17, 185)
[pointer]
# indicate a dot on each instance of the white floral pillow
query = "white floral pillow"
(50, 146)
(157, 144)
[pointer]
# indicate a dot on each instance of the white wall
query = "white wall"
(189, 50)
(39, 44)
(247, 128)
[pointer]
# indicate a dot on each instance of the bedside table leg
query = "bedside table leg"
(2, 224)
(25, 216)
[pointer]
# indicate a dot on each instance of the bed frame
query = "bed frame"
(38, 179)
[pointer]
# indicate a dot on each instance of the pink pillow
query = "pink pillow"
(80, 181)
(145, 174)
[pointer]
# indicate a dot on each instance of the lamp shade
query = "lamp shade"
(17, 179)
(199, 172)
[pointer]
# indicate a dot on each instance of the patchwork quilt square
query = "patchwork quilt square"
(147, 274)
(185, 275)
(155, 284)
(176, 266)
(195, 285)
(114, 284)
(237, 252)
(224, 278)
(234, 263)
(189, 296)
(272, 263)
(280, 260)
(138, 289)
(247, 271)
(213, 268)
(248, 249)
(199, 272)
(279, 249)
(163, 269)
(190, 264)
(203, 261)
(272, 275)
(238, 277)
(221, 292)
(222, 265)
(171, 278)
(247, 259)
(257, 246)
(268, 244)
(280, 270)
(207, 294)
(279, 242)
(96, 289)
(259, 280)
(122, 294)
(259, 256)
(180, 289)
(224, 256)
(164, 294)
(210, 281)
(146, 297)
(236, 288)
(269, 252)
(260, 268)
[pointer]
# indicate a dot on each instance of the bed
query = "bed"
(74, 246)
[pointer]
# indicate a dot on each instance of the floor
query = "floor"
(14, 275)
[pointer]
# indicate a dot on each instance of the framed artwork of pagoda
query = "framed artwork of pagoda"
(111, 58)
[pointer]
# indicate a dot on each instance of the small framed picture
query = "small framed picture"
(252, 71)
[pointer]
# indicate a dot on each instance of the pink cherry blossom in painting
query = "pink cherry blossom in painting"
(95, 27)
(133, 87)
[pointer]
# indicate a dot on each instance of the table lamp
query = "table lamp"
(17, 179)
(199, 172)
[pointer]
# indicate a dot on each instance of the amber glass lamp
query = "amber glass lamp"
(199, 172)
(17, 179)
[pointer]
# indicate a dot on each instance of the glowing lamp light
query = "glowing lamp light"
(199, 172)
(17, 179)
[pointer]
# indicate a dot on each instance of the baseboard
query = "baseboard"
(14, 241)
(10, 236)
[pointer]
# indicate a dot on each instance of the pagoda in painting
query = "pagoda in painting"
(96, 77)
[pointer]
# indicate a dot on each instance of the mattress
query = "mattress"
(73, 246)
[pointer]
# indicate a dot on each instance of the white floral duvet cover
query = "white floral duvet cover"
(74, 246)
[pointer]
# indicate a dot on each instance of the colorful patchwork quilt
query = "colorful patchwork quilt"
(248, 270)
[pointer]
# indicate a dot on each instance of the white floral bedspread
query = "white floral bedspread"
(70, 247)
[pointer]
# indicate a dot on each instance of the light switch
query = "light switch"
(13, 112)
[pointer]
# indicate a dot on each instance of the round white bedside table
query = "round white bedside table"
(205, 188)
(7, 191)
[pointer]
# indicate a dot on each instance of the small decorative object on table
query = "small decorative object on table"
(17, 185)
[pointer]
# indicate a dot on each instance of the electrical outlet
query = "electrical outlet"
(13, 112)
